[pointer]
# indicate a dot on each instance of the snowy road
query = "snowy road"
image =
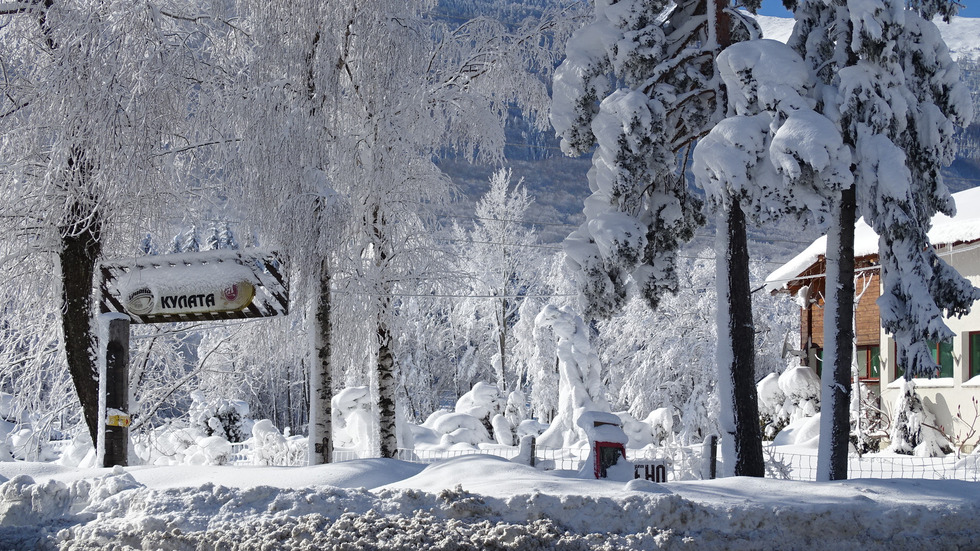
(471, 503)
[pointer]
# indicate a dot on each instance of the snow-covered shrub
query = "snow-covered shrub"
(804, 431)
(530, 427)
(793, 395)
(503, 430)
(482, 401)
(79, 453)
(211, 450)
(353, 420)
(26, 444)
(168, 445)
(516, 409)
(457, 428)
(801, 385)
(267, 445)
(915, 431)
(655, 430)
(222, 417)
(867, 422)
(772, 415)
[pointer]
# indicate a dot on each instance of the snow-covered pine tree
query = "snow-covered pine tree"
(176, 245)
(191, 241)
(638, 82)
(772, 156)
(213, 241)
(226, 238)
(147, 246)
(892, 86)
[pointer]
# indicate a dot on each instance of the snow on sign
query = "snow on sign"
(201, 286)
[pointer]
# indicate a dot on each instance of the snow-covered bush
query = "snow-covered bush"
(457, 428)
(915, 431)
(353, 421)
(221, 417)
(656, 429)
(516, 409)
(867, 422)
(267, 445)
(80, 452)
(793, 395)
(482, 401)
(26, 444)
(772, 416)
(211, 450)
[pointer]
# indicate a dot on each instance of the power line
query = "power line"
(437, 295)
(529, 222)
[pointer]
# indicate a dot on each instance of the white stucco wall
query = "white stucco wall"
(945, 396)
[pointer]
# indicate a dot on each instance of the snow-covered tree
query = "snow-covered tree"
(638, 83)
(580, 388)
(365, 95)
(889, 84)
(498, 260)
(94, 112)
(772, 156)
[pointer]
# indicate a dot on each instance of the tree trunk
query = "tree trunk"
(387, 384)
(386, 388)
(502, 345)
(749, 460)
(321, 435)
(838, 342)
(81, 246)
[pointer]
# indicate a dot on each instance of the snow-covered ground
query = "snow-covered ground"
(474, 502)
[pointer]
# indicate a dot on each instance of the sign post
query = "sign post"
(116, 392)
(201, 286)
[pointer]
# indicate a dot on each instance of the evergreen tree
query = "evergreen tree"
(191, 241)
(771, 135)
(639, 83)
(213, 242)
(886, 78)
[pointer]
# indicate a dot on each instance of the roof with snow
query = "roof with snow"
(962, 228)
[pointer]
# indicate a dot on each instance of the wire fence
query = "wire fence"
(797, 466)
(659, 464)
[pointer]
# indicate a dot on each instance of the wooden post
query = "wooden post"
(117, 393)
(709, 458)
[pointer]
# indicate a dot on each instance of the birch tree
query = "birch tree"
(94, 98)
(498, 260)
(391, 88)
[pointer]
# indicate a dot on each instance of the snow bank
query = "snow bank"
(472, 503)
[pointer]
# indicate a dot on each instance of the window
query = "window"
(869, 362)
(942, 355)
(974, 354)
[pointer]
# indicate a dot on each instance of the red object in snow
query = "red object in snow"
(606, 456)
